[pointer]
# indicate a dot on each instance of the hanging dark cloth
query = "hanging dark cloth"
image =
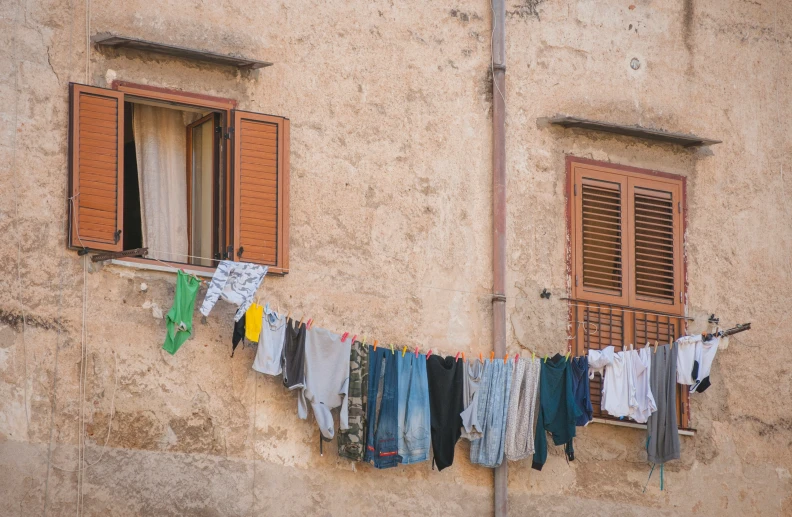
(446, 378)
(239, 334)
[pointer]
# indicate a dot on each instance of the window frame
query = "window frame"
(606, 171)
(227, 108)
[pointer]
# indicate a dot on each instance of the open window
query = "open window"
(186, 176)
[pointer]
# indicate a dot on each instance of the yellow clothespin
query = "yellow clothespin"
(364, 340)
(392, 351)
(533, 356)
(545, 357)
(404, 350)
(567, 356)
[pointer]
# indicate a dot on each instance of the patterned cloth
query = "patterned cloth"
(235, 282)
(522, 409)
(352, 441)
(493, 404)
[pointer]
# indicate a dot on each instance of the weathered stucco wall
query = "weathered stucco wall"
(390, 237)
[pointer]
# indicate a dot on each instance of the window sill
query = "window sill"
(635, 425)
(147, 265)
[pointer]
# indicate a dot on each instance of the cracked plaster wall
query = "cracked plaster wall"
(390, 237)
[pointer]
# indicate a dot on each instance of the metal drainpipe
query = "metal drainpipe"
(499, 217)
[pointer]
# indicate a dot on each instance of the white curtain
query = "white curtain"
(160, 146)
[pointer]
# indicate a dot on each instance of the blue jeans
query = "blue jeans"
(493, 405)
(414, 420)
(382, 445)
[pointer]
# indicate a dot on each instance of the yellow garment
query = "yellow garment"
(253, 319)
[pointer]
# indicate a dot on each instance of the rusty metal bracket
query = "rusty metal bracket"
(137, 252)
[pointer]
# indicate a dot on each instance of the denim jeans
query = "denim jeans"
(492, 411)
(414, 420)
(382, 445)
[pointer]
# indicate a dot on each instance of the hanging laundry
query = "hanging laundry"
(705, 354)
(414, 421)
(293, 356)
(382, 413)
(662, 442)
(270, 343)
(352, 441)
(238, 335)
(686, 357)
(235, 282)
(580, 388)
(473, 370)
(522, 409)
(557, 410)
(599, 359)
(493, 408)
(326, 379)
(179, 318)
(445, 406)
(644, 400)
(253, 321)
(616, 387)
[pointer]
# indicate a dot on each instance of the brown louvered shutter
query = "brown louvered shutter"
(600, 239)
(96, 168)
(656, 255)
(260, 190)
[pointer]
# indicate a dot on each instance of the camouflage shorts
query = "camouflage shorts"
(352, 441)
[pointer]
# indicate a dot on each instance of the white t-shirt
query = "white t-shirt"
(686, 356)
(645, 405)
(705, 354)
(616, 386)
(270, 345)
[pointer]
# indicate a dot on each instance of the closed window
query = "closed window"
(626, 231)
(188, 177)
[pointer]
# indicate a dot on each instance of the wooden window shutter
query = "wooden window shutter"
(600, 240)
(96, 161)
(655, 227)
(261, 189)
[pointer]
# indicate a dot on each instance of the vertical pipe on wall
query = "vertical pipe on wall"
(499, 215)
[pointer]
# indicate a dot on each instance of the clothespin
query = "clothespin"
(404, 350)
(364, 340)
(288, 314)
(428, 353)
(670, 343)
(343, 338)
(492, 356)
(533, 356)
(655, 350)
(392, 351)
(545, 357)
(567, 356)
(516, 357)
(481, 357)
(456, 359)
(308, 324)
(505, 358)
(463, 357)
(416, 351)
(301, 320)
(375, 345)
(354, 338)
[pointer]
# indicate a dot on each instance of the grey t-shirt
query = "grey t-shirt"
(474, 370)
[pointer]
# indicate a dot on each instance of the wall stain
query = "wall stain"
(14, 320)
(525, 9)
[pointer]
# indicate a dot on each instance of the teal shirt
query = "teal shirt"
(557, 409)
(179, 318)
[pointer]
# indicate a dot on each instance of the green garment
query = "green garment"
(557, 409)
(179, 318)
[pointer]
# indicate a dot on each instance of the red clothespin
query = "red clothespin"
(516, 357)
(416, 351)
(354, 338)
(308, 323)
(428, 353)
(343, 338)
(456, 359)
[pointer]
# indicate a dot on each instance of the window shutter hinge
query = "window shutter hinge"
(680, 297)
(576, 280)
(575, 188)
(117, 236)
(229, 133)
(229, 253)
(240, 251)
(679, 206)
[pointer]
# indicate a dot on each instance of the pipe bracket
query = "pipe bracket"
(498, 297)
